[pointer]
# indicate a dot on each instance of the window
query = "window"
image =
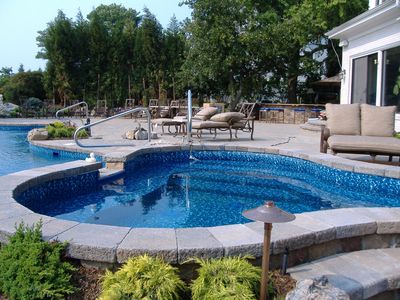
(391, 78)
(364, 79)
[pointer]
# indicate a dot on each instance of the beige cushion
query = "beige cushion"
(229, 117)
(362, 143)
(205, 113)
(377, 121)
(209, 124)
(343, 119)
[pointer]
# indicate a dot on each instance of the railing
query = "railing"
(110, 118)
(75, 105)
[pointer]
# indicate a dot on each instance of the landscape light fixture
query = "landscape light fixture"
(268, 214)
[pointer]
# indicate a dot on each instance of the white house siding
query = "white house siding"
(371, 41)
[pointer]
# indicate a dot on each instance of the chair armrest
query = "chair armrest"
(325, 134)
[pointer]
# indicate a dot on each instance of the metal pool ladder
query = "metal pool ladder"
(110, 118)
(75, 105)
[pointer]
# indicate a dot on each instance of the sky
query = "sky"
(20, 20)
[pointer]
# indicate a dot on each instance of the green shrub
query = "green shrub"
(58, 124)
(60, 130)
(226, 278)
(32, 268)
(397, 135)
(142, 277)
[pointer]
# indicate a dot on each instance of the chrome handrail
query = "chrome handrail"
(110, 118)
(74, 105)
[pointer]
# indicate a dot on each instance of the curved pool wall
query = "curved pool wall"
(299, 169)
(312, 235)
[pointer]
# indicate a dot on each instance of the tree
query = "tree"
(174, 52)
(24, 85)
(5, 75)
(21, 68)
(58, 46)
(149, 45)
(112, 34)
(300, 45)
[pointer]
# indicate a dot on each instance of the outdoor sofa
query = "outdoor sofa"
(360, 129)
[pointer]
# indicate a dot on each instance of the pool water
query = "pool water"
(171, 191)
(16, 155)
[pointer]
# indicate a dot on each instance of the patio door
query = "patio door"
(364, 80)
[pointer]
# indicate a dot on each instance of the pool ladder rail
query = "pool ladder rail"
(82, 103)
(87, 126)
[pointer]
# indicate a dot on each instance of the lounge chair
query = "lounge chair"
(179, 122)
(360, 129)
(242, 120)
(101, 108)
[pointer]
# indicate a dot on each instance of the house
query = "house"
(371, 56)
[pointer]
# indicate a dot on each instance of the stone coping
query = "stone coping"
(112, 244)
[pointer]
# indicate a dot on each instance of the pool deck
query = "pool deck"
(311, 236)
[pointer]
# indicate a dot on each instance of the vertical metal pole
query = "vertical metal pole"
(265, 262)
(189, 117)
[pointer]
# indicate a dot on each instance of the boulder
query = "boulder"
(318, 288)
(6, 109)
(137, 134)
(38, 134)
(130, 135)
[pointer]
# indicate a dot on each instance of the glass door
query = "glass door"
(364, 80)
(391, 77)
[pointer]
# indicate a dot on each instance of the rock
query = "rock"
(141, 134)
(38, 134)
(136, 134)
(6, 109)
(130, 135)
(319, 288)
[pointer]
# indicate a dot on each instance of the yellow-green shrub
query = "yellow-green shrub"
(226, 278)
(142, 277)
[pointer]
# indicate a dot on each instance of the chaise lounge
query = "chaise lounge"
(360, 129)
(242, 120)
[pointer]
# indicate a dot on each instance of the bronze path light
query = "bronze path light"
(268, 214)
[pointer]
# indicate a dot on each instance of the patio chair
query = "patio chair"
(242, 120)
(154, 108)
(101, 108)
(179, 122)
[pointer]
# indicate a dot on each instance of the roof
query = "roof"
(390, 9)
(332, 81)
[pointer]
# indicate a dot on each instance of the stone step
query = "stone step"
(106, 174)
(361, 274)
(313, 125)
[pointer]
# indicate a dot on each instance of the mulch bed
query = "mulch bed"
(283, 283)
(88, 282)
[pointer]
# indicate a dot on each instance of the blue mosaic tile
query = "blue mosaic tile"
(167, 189)
(60, 189)
(45, 152)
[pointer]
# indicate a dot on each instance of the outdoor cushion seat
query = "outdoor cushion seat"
(210, 124)
(205, 113)
(364, 144)
(364, 129)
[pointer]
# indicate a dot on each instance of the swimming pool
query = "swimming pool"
(16, 154)
(167, 189)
